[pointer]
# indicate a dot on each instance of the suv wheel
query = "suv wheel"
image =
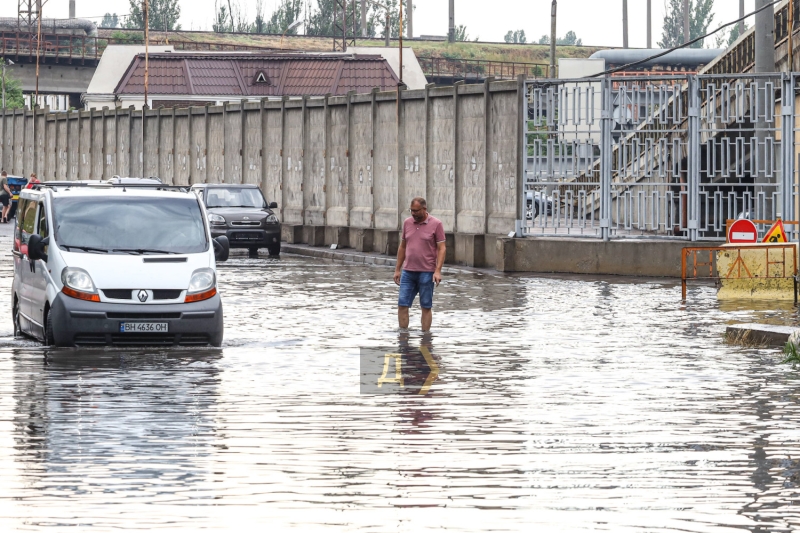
(253, 252)
(275, 249)
(49, 338)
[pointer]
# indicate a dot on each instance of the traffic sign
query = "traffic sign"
(776, 233)
(743, 231)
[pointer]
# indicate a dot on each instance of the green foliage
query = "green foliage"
(288, 11)
(162, 12)
(517, 37)
(14, 99)
(791, 354)
(110, 21)
(321, 20)
(725, 38)
(570, 39)
(127, 37)
(461, 33)
(700, 17)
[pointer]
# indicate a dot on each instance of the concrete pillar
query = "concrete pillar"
(457, 185)
(262, 124)
(243, 142)
(372, 156)
(350, 95)
(327, 186)
(410, 18)
(72, 9)
(764, 62)
(304, 185)
(401, 168)
(686, 19)
(487, 156)
(451, 31)
(650, 23)
(282, 207)
(207, 131)
(426, 148)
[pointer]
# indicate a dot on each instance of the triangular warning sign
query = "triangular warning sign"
(261, 77)
(776, 233)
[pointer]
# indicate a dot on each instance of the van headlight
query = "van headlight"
(272, 219)
(216, 220)
(78, 284)
(202, 285)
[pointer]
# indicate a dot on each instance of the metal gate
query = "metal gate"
(657, 156)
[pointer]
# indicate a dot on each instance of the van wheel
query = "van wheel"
(15, 317)
(275, 250)
(49, 338)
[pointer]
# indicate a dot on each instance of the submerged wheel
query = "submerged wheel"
(275, 249)
(253, 252)
(49, 338)
(15, 318)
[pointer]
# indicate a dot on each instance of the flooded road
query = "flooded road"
(562, 404)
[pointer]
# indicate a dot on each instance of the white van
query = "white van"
(115, 264)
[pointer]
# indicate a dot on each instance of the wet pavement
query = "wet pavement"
(563, 403)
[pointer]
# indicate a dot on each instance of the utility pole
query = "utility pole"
(72, 9)
(553, 11)
(649, 24)
(410, 18)
(38, 48)
(451, 31)
(765, 62)
(686, 18)
(624, 23)
(741, 15)
(364, 18)
(400, 37)
(146, 53)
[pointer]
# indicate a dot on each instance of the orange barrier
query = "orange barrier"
(738, 269)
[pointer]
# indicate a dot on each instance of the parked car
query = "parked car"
(242, 214)
(103, 264)
(536, 202)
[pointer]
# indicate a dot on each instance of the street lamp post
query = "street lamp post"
(292, 26)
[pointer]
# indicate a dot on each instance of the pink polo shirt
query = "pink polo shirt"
(421, 240)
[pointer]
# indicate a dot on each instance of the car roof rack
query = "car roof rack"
(106, 185)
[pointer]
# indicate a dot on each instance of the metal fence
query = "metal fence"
(658, 156)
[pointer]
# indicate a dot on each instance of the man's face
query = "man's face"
(418, 212)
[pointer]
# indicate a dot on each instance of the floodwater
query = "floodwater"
(570, 404)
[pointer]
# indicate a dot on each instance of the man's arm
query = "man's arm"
(441, 252)
(401, 257)
(5, 186)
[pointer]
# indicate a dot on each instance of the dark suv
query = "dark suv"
(241, 213)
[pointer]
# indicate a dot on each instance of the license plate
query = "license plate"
(143, 327)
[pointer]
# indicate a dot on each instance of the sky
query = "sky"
(596, 22)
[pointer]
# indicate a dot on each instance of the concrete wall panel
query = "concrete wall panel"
(19, 144)
(122, 147)
(137, 147)
(181, 159)
(73, 146)
(84, 146)
(252, 147)
(503, 158)
(96, 146)
(293, 166)
(109, 153)
(273, 166)
(385, 160)
(216, 143)
(152, 134)
(336, 166)
(39, 135)
(470, 170)
(441, 197)
(48, 171)
(165, 155)
(233, 144)
(361, 162)
(314, 185)
(414, 164)
(199, 148)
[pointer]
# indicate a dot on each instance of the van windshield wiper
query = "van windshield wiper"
(84, 248)
(141, 251)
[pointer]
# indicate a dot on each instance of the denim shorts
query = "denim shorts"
(413, 283)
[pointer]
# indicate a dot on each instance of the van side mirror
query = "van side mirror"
(36, 247)
(222, 248)
(273, 205)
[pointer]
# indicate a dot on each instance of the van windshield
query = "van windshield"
(129, 225)
(234, 197)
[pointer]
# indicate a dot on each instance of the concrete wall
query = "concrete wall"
(354, 160)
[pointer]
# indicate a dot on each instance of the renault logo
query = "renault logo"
(142, 296)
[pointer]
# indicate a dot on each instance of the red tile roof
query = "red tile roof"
(257, 75)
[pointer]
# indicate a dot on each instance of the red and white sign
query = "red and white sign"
(743, 232)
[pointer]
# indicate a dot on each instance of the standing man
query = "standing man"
(420, 256)
(5, 196)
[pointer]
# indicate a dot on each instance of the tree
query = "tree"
(725, 38)
(222, 23)
(161, 12)
(570, 39)
(288, 11)
(320, 21)
(700, 17)
(14, 98)
(110, 21)
(516, 37)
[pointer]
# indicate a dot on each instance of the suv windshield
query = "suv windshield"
(234, 197)
(130, 225)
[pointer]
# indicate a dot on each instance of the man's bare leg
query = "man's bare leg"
(427, 319)
(402, 317)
